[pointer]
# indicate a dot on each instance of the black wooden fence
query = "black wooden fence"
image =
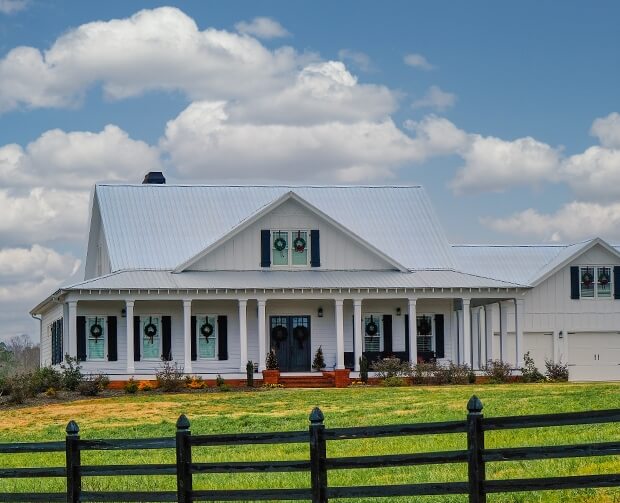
(318, 464)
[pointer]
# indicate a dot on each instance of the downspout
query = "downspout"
(40, 335)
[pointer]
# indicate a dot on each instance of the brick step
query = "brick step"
(306, 382)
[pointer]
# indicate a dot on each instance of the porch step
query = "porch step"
(306, 381)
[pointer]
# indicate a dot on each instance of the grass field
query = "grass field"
(151, 415)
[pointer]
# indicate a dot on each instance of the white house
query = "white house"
(213, 276)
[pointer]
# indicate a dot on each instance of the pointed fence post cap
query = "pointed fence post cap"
(182, 422)
(316, 416)
(72, 428)
(474, 404)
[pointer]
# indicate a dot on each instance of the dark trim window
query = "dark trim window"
(56, 330)
(290, 248)
(150, 326)
(595, 282)
(206, 336)
(373, 332)
(426, 332)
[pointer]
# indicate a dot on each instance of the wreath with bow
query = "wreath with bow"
(206, 330)
(371, 327)
(279, 333)
(150, 330)
(300, 243)
(424, 326)
(587, 278)
(96, 330)
(603, 278)
(300, 333)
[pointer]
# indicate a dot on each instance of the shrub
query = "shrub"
(272, 386)
(271, 362)
(455, 373)
(393, 382)
(131, 386)
(556, 372)
(427, 373)
(219, 381)
(169, 376)
(224, 387)
(497, 371)
(390, 367)
(363, 369)
(145, 386)
(318, 363)
(92, 385)
(51, 393)
(529, 371)
(71, 373)
(249, 374)
(195, 382)
(20, 387)
(45, 378)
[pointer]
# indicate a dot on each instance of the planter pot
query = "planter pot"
(271, 376)
(341, 378)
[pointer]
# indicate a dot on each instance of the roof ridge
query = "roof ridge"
(241, 185)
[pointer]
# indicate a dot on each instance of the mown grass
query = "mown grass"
(277, 410)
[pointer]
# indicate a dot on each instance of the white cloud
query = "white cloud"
(607, 130)
(359, 59)
(438, 136)
(418, 61)
(435, 98)
(594, 174)
(159, 49)
(262, 27)
(12, 6)
(574, 221)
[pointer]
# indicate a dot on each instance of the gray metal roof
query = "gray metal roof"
(161, 226)
(154, 279)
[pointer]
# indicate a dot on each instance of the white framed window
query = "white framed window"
(290, 248)
(150, 326)
(425, 329)
(595, 282)
(373, 332)
(206, 336)
(96, 337)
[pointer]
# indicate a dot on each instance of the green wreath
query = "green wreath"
(96, 330)
(150, 330)
(587, 279)
(206, 330)
(279, 243)
(299, 244)
(603, 278)
(371, 328)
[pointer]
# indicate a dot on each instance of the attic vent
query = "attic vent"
(155, 177)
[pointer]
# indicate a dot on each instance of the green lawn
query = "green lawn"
(150, 415)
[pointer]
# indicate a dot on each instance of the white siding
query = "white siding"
(243, 251)
(97, 256)
(50, 316)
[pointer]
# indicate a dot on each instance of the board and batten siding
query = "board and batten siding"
(338, 252)
(97, 255)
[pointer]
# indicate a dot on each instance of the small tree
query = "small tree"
(318, 363)
(363, 369)
(556, 372)
(529, 371)
(271, 363)
(249, 373)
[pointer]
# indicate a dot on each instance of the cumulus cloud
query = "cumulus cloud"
(574, 221)
(607, 130)
(435, 98)
(12, 6)
(262, 27)
(359, 59)
(594, 174)
(438, 136)
(159, 49)
(418, 61)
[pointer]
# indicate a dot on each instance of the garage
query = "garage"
(540, 347)
(594, 356)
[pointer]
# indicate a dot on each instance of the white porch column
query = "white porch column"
(413, 330)
(243, 334)
(357, 321)
(503, 330)
(454, 336)
(488, 332)
(339, 334)
(262, 340)
(519, 333)
(187, 335)
(475, 337)
(467, 353)
(72, 328)
(131, 368)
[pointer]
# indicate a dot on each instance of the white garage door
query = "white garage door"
(594, 356)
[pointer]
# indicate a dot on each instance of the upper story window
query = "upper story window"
(290, 248)
(595, 282)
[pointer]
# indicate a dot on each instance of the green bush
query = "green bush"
(529, 371)
(498, 371)
(318, 363)
(20, 387)
(71, 373)
(393, 382)
(219, 381)
(170, 376)
(271, 362)
(390, 367)
(92, 385)
(556, 372)
(363, 369)
(455, 373)
(131, 386)
(249, 372)
(427, 373)
(45, 378)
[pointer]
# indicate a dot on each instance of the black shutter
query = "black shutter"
(265, 248)
(54, 351)
(407, 337)
(315, 248)
(439, 336)
(222, 338)
(387, 334)
(574, 282)
(112, 339)
(616, 282)
(81, 338)
(194, 352)
(166, 329)
(137, 338)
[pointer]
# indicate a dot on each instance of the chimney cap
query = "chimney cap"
(154, 177)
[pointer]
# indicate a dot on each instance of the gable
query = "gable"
(597, 255)
(97, 256)
(241, 252)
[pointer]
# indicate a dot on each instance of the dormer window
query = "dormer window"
(290, 248)
(595, 282)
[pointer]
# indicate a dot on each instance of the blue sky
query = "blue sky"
(506, 112)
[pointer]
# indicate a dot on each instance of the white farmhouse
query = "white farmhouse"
(213, 276)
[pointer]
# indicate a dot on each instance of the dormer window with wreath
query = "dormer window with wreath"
(290, 248)
(595, 282)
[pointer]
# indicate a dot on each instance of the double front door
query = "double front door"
(290, 337)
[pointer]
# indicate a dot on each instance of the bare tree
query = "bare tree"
(25, 354)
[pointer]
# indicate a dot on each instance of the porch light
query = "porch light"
(561, 335)
(319, 312)
(398, 311)
(123, 313)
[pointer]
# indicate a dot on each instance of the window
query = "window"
(373, 332)
(595, 282)
(206, 332)
(290, 248)
(425, 329)
(55, 330)
(151, 337)
(96, 334)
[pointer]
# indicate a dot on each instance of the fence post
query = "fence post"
(318, 457)
(74, 476)
(184, 460)
(475, 446)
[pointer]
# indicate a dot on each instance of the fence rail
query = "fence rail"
(318, 465)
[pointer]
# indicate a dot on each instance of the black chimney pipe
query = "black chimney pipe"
(154, 177)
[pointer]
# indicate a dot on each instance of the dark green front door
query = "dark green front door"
(290, 337)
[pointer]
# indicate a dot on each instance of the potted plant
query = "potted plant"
(271, 374)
